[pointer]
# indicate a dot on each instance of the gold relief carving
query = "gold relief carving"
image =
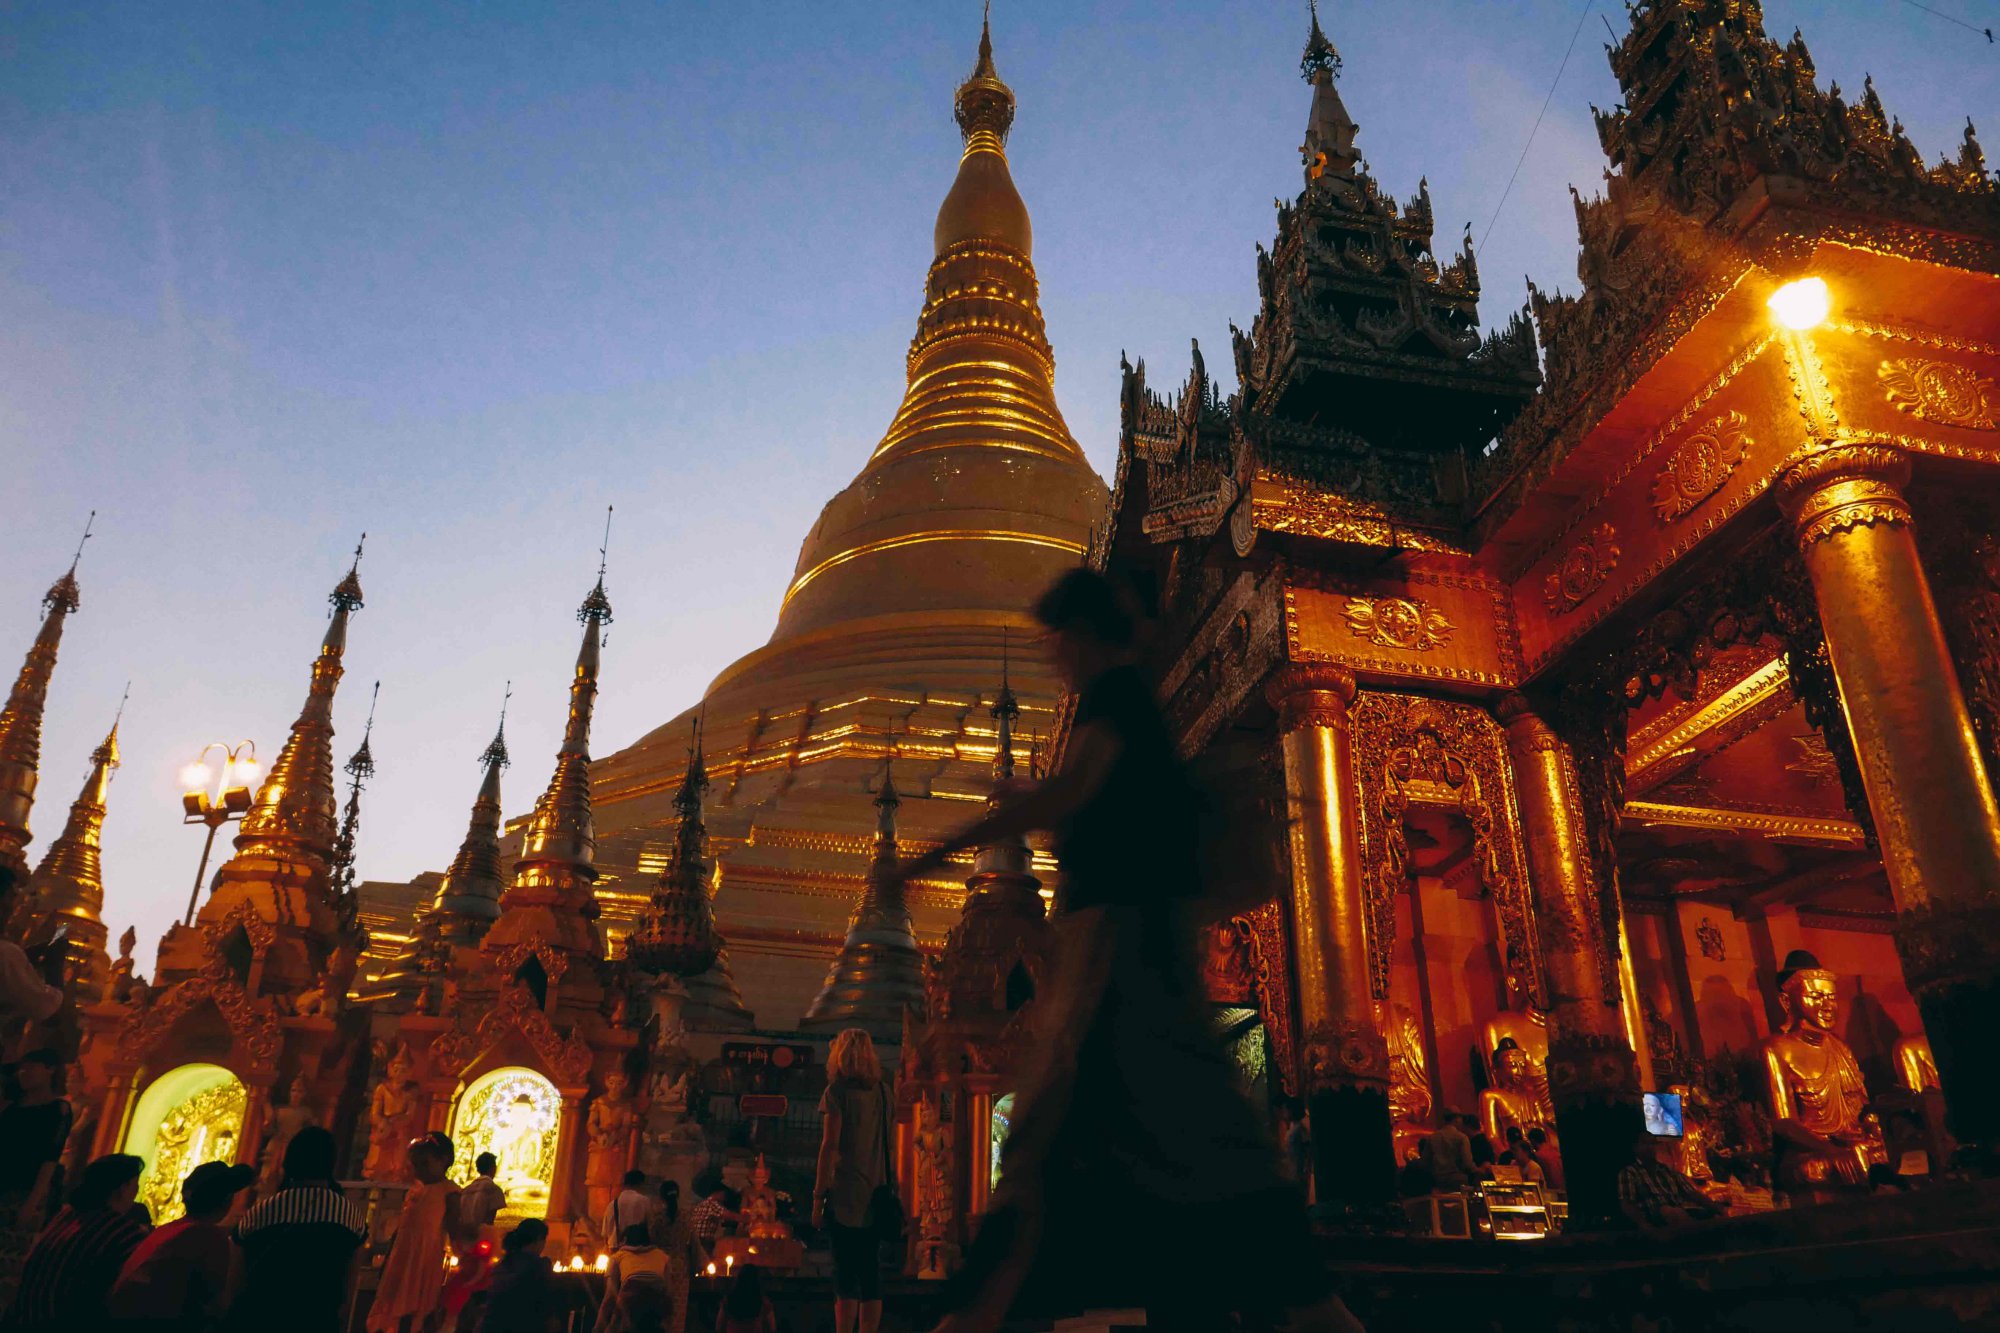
(1700, 466)
(1413, 750)
(1243, 964)
(1481, 643)
(1941, 392)
(1814, 760)
(1582, 571)
(1338, 1054)
(1398, 622)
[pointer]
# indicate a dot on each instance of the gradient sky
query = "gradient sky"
(462, 274)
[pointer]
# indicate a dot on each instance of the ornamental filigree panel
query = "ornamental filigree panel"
(1582, 572)
(1410, 750)
(1398, 622)
(1940, 392)
(1698, 468)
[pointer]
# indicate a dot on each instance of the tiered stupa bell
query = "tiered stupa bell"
(880, 971)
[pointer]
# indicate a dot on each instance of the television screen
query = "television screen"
(1663, 1114)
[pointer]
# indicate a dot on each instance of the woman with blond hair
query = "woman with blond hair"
(853, 1163)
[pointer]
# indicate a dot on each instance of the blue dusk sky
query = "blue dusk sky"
(460, 275)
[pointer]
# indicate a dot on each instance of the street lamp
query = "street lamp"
(1802, 304)
(231, 800)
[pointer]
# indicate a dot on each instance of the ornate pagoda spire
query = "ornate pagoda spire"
(551, 904)
(1329, 146)
(879, 971)
(468, 898)
(294, 814)
(21, 721)
(677, 936)
(360, 767)
(67, 889)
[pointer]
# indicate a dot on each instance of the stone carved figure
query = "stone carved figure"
(392, 1110)
(288, 1117)
(1410, 1099)
(609, 1129)
(1826, 1137)
(1519, 1095)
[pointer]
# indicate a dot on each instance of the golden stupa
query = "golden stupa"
(890, 639)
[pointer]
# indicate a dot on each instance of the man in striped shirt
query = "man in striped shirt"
(299, 1245)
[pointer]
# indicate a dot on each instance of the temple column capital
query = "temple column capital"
(1310, 694)
(1826, 490)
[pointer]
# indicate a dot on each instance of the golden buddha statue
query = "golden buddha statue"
(1826, 1137)
(1519, 1095)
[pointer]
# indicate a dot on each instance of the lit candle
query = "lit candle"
(576, 1263)
(729, 1262)
(711, 1270)
(603, 1262)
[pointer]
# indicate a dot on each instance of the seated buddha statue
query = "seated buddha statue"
(760, 1206)
(1826, 1137)
(1518, 1097)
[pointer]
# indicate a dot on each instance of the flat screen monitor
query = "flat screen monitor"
(1663, 1114)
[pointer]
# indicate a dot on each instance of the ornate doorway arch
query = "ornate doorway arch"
(515, 1114)
(188, 1115)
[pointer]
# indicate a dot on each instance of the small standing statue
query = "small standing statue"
(610, 1132)
(1826, 1137)
(391, 1117)
(290, 1116)
(760, 1206)
(1518, 1097)
(118, 986)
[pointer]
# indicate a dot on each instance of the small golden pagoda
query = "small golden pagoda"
(248, 1007)
(66, 892)
(1551, 685)
(879, 972)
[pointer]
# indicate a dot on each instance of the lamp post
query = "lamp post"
(231, 800)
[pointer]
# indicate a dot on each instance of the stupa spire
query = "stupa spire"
(468, 898)
(559, 831)
(294, 813)
(360, 767)
(677, 935)
(879, 971)
(67, 889)
(1329, 147)
(21, 719)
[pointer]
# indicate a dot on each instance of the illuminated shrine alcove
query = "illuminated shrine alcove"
(186, 1116)
(513, 1113)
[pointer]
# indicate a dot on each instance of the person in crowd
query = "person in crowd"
(673, 1232)
(1656, 1197)
(746, 1309)
(720, 1207)
(483, 1199)
(523, 1298)
(1519, 1154)
(34, 1128)
(413, 1278)
(628, 1208)
(1483, 1154)
(1298, 1143)
(180, 1277)
(1135, 1169)
(637, 1262)
(1543, 1144)
(299, 1246)
(1413, 1181)
(855, 1113)
(75, 1260)
(1448, 1153)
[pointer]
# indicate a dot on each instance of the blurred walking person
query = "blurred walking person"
(855, 1113)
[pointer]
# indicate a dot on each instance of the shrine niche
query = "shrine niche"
(516, 1115)
(1412, 751)
(185, 1117)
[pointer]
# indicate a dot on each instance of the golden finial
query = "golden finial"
(495, 755)
(1321, 57)
(984, 107)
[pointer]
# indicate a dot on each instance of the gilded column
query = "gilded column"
(1928, 788)
(1593, 1071)
(1344, 1058)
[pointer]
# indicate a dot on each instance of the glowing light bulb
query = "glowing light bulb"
(195, 777)
(1802, 304)
(246, 771)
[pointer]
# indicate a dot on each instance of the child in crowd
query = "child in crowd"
(413, 1278)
